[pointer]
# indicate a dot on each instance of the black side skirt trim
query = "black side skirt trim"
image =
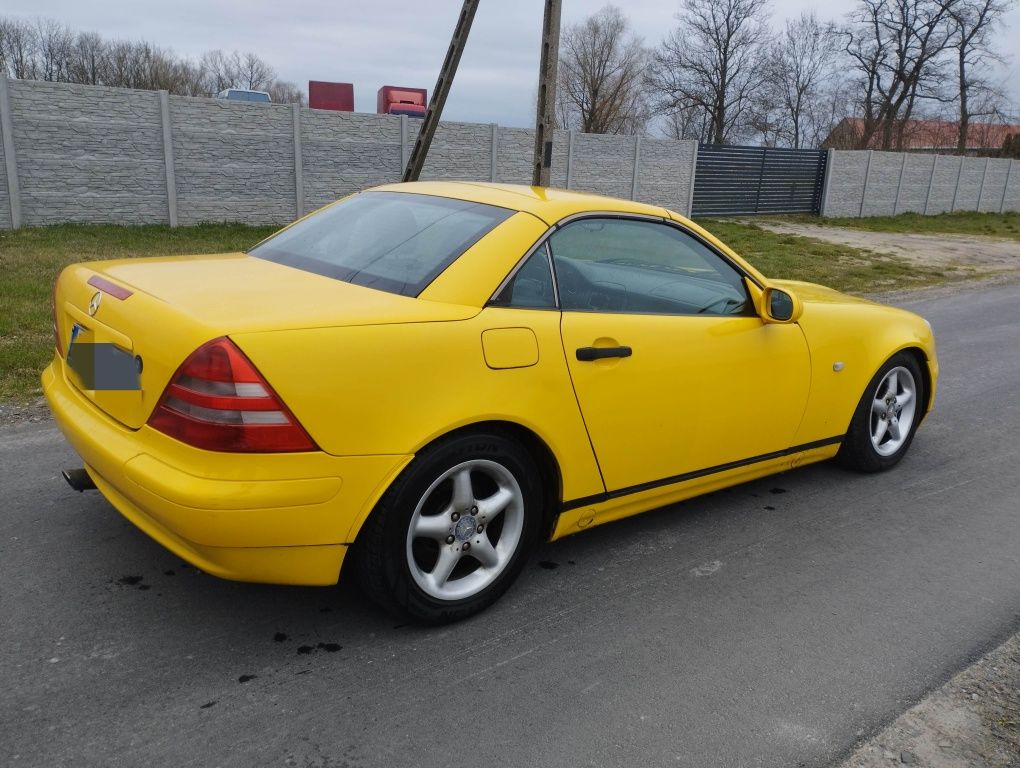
(600, 497)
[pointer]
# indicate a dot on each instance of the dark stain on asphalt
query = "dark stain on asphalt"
(549, 565)
(325, 610)
(330, 647)
(777, 490)
(130, 581)
(246, 678)
(279, 637)
(571, 562)
(303, 649)
(169, 573)
(144, 587)
(207, 705)
(770, 508)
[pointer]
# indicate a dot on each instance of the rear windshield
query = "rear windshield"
(393, 241)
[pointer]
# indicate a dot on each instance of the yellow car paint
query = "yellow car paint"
(375, 377)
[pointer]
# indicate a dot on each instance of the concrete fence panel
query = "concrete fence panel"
(603, 164)
(75, 153)
(87, 153)
(666, 173)
(347, 151)
(848, 174)
(513, 164)
(229, 166)
(944, 183)
(914, 181)
(879, 198)
(1011, 194)
(459, 151)
(6, 221)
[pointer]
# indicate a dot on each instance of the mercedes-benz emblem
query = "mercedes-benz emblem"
(97, 299)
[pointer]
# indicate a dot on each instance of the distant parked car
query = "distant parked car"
(240, 94)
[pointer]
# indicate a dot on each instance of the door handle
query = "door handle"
(587, 354)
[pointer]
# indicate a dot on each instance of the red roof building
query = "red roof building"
(922, 135)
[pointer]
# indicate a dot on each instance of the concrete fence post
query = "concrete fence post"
(494, 153)
(10, 155)
(867, 179)
(168, 157)
(694, 172)
(981, 189)
(570, 158)
(637, 165)
(931, 182)
(299, 165)
(1005, 187)
(830, 158)
(899, 185)
(959, 176)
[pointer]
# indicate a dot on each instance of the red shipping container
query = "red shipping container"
(336, 96)
(395, 100)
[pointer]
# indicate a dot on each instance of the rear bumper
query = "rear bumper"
(275, 518)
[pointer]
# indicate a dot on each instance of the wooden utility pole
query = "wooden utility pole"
(416, 161)
(545, 118)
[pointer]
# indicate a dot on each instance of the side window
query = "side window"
(531, 287)
(624, 265)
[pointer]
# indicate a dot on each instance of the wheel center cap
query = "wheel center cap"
(465, 528)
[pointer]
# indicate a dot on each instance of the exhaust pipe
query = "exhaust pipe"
(79, 480)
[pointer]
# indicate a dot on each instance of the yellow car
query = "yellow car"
(421, 381)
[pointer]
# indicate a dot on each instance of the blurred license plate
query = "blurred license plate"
(101, 366)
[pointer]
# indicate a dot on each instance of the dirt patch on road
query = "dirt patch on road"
(966, 253)
(973, 720)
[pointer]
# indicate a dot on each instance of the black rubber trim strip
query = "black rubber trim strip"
(600, 497)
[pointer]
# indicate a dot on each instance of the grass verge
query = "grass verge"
(959, 223)
(31, 258)
(842, 267)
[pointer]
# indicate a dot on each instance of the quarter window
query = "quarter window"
(531, 287)
(624, 265)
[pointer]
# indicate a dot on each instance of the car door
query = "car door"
(674, 371)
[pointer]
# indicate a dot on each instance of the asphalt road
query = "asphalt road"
(774, 624)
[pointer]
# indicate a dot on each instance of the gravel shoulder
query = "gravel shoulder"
(959, 252)
(972, 720)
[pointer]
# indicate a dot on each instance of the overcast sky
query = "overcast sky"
(397, 42)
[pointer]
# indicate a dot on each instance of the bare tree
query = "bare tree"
(283, 92)
(601, 72)
(87, 59)
(800, 64)
(17, 48)
(972, 21)
(713, 61)
(53, 49)
(896, 45)
(235, 70)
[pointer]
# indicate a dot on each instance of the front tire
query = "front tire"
(452, 533)
(887, 417)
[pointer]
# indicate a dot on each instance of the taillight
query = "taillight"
(219, 402)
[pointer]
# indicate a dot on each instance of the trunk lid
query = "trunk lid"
(176, 304)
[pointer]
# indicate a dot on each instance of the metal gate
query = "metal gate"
(730, 180)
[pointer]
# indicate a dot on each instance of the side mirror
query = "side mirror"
(781, 306)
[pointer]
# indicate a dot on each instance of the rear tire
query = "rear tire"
(887, 417)
(453, 532)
